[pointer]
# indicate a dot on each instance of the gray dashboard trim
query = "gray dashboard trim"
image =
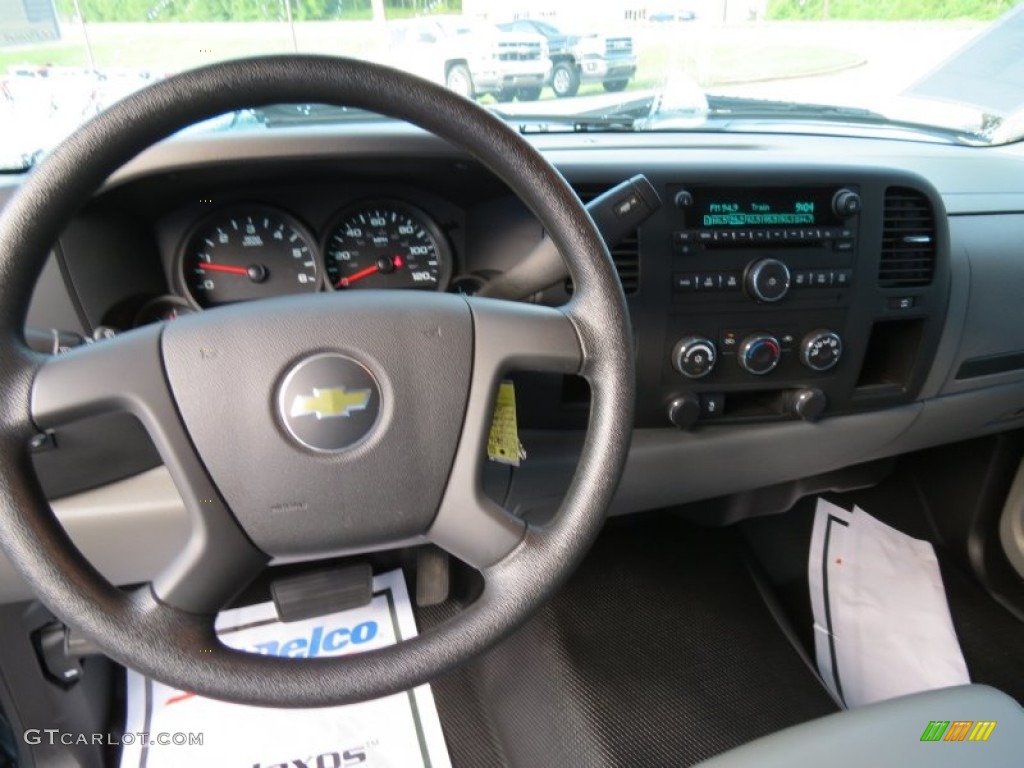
(992, 249)
(131, 530)
(667, 467)
(956, 315)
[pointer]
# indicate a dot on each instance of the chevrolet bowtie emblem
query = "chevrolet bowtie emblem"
(330, 403)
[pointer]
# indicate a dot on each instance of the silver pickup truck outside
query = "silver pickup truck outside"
(471, 57)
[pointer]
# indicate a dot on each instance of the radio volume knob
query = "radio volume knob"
(820, 350)
(759, 353)
(767, 280)
(846, 203)
(694, 356)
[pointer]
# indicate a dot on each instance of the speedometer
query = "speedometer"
(386, 244)
(247, 253)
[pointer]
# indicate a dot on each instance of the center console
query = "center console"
(796, 297)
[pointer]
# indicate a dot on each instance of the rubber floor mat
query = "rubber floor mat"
(658, 652)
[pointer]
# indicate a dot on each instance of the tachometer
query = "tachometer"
(386, 244)
(247, 253)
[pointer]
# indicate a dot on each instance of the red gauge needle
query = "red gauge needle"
(223, 268)
(345, 282)
(384, 265)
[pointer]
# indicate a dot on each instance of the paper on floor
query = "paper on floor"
(881, 622)
(401, 730)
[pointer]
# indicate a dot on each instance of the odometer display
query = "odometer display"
(386, 244)
(248, 253)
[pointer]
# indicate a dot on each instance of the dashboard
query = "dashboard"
(804, 306)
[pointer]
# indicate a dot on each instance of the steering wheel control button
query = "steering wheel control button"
(759, 353)
(694, 356)
(767, 280)
(820, 350)
(328, 402)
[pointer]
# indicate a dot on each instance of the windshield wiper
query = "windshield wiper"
(738, 106)
(723, 109)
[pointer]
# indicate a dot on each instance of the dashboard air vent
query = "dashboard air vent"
(908, 240)
(626, 254)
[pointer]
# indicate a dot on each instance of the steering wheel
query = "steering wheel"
(304, 427)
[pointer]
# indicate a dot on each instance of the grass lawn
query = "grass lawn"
(165, 48)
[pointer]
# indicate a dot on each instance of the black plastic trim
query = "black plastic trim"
(989, 365)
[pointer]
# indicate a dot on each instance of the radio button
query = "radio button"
(844, 246)
(846, 203)
(767, 280)
(730, 281)
(844, 277)
(683, 282)
(705, 236)
(708, 282)
(821, 278)
(801, 279)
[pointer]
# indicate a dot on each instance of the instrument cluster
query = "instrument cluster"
(249, 251)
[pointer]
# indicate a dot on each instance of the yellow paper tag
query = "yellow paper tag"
(503, 442)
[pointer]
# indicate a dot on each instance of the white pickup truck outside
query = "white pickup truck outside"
(471, 57)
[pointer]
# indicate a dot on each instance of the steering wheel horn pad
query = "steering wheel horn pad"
(223, 396)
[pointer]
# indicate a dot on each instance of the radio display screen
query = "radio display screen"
(762, 207)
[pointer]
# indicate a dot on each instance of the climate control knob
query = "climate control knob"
(759, 353)
(694, 356)
(820, 350)
(767, 280)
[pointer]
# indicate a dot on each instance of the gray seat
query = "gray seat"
(890, 734)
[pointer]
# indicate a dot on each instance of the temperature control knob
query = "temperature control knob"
(820, 350)
(767, 280)
(694, 356)
(759, 353)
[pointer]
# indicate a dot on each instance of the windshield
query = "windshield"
(919, 70)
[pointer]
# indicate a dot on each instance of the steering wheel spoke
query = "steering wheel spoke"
(507, 336)
(125, 374)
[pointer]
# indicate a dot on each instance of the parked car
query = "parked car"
(472, 58)
(582, 58)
